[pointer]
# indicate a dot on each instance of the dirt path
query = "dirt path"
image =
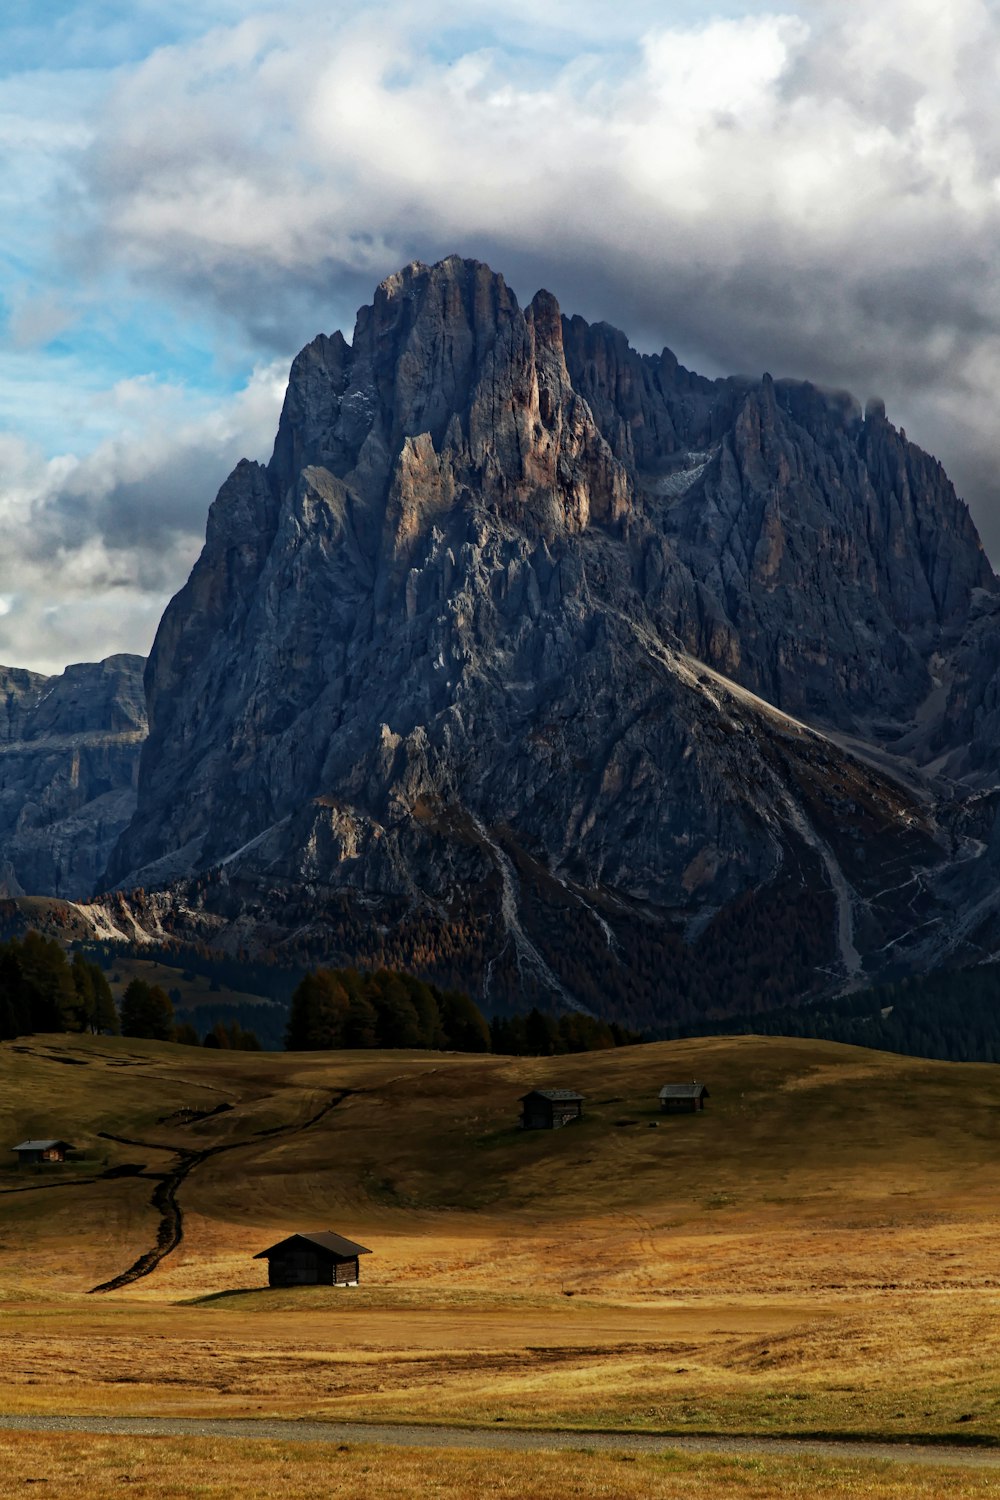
(170, 1230)
(509, 1439)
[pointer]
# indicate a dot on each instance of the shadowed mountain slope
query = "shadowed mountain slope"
(573, 675)
(69, 757)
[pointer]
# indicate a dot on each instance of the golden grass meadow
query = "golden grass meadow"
(816, 1254)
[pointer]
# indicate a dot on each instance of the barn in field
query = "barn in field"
(682, 1098)
(548, 1109)
(315, 1259)
(35, 1153)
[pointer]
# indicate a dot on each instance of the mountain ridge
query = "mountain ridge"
(526, 636)
(69, 753)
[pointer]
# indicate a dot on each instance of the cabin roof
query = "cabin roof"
(334, 1244)
(40, 1145)
(557, 1096)
(683, 1091)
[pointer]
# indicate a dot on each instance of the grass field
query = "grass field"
(817, 1253)
(91, 1468)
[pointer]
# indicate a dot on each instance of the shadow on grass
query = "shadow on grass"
(831, 1435)
(234, 1292)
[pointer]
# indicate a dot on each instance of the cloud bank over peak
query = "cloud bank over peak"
(814, 190)
(811, 188)
(91, 548)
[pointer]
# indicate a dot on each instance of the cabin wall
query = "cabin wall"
(679, 1106)
(299, 1268)
(36, 1158)
(552, 1117)
(302, 1268)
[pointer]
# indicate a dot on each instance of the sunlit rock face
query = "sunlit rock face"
(69, 760)
(522, 630)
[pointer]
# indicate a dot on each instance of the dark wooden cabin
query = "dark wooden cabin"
(319, 1259)
(682, 1098)
(548, 1109)
(34, 1153)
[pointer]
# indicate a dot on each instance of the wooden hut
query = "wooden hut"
(316, 1259)
(682, 1098)
(548, 1109)
(33, 1153)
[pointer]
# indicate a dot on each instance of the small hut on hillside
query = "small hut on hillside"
(682, 1098)
(315, 1259)
(33, 1153)
(549, 1109)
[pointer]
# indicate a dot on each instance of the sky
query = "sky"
(190, 192)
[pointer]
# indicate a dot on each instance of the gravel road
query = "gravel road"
(509, 1439)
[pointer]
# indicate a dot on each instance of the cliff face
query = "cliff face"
(537, 636)
(69, 757)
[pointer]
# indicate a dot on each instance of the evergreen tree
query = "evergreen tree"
(464, 1026)
(398, 1023)
(541, 1034)
(95, 1007)
(147, 1012)
(361, 1026)
(318, 1015)
(15, 1013)
(347, 1008)
(222, 1036)
(83, 985)
(104, 1017)
(48, 983)
(423, 998)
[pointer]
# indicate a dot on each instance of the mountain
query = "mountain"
(69, 758)
(557, 670)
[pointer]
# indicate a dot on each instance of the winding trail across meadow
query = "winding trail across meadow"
(170, 1230)
(507, 1439)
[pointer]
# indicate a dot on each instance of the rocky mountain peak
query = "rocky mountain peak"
(514, 606)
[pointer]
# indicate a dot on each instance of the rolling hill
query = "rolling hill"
(814, 1253)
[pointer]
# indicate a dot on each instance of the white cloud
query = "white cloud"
(810, 187)
(92, 546)
(815, 190)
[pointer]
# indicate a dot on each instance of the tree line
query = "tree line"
(539, 1034)
(334, 1008)
(41, 990)
(147, 1011)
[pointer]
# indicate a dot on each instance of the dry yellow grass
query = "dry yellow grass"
(92, 1468)
(817, 1253)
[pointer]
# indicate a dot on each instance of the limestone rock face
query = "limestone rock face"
(69, 759)
(533, 638)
